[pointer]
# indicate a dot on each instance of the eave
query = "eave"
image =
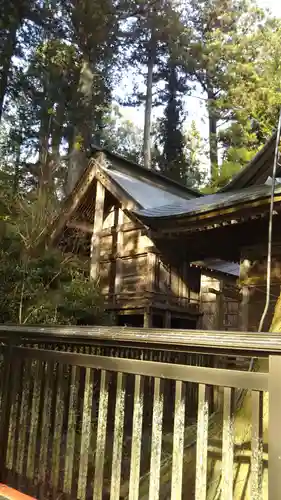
(213, 218)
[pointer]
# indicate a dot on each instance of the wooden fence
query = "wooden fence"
(78, 425)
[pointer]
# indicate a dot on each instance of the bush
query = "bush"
(50, 288)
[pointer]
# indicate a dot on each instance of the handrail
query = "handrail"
(214, 342)
(196, 374)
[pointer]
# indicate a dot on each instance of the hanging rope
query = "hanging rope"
(270, 227)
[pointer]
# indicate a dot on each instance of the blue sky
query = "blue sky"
(194, 105)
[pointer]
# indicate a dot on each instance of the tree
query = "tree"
(253, 99)
(122, 136)
(217, 38)
(172, 161)
(96, 30)
(14, 15)
(195, 154)
(150, 34)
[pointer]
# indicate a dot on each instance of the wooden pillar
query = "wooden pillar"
(98, 223)
(147, 318)
(167, 319)
(220, 308)
(151, 268)
(120, 245)
(244, 309)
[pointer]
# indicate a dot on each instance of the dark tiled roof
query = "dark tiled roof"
(217, 265)
(146, 194)
(207, 203)
(121, 163)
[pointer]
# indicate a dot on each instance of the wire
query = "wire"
(270, 226)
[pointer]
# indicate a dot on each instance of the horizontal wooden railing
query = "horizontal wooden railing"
(77, 425)
(150, 298)
(249, 344)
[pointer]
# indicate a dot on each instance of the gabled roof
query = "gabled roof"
(130, 168)
(256, 171)
(134, 186)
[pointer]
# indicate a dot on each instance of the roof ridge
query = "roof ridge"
(195, 192)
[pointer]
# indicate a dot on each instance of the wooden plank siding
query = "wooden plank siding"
(130, 268)
(129, 263)
(220, 305)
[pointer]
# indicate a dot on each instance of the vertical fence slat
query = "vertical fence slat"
(118, 437)
(45, 426)
(257, 446)
(23, 418)
(59, 410)
(156, 441)
(274, 442)
(136, 439)
(2, 377)
(227, 444)
(85, 434)
(34, 420)
(6, 406)
(202, 444)
(14, 401)
(178, 441)
(70, 439)
(101, 436)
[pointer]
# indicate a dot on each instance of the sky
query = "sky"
(194, 104)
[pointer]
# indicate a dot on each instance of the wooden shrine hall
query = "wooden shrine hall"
(146, 239)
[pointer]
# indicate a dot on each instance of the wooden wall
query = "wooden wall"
(123, 255)
(220, 304)
(131, 264)
(126, 262)
(253, 278)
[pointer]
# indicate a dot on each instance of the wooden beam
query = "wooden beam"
(88, 228)
(73, 199)
(98, 222)
(167, 319)
(85, 227)
(147, 318)
(151, 270)
(107, 257)
(244, 313)
(220, 308)
(127, 201)
(119, 250)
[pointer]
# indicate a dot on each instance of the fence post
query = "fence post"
(5, 409)
(274, 428)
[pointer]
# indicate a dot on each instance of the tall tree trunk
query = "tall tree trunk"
(7, 49)
(213, 143)
(148, 102)
(57, 134)
(16, 179)
(82, 130)
(45, 178)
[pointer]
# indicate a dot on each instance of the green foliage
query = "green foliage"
(253, 98)
(172, 160)
(44, 288)
(232, 52)
(122, 136)
(195, 154)
(62, 62)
